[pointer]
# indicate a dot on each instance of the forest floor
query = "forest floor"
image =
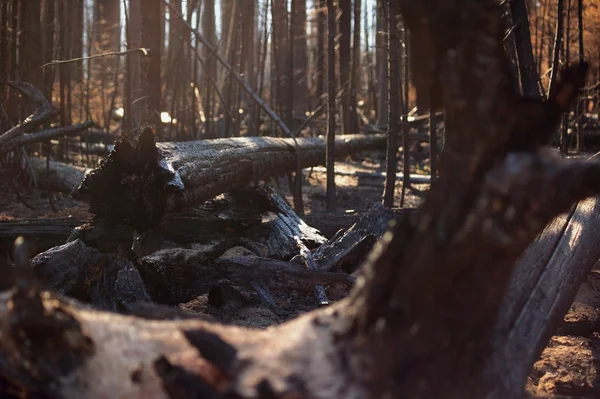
(569, 367)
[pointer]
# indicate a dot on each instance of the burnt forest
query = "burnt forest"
(325, 199)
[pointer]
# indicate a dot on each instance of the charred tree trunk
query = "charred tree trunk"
(209, 31)
(391, 10)
(150, 38)
(355, 72)
(527, 68)
(300, 57)
(133, 89)
(49, 49)
(330, 157)
(345, 64)
(578, 105)
(558, 41)
(381, 63)
(30, 43)
(321, 43)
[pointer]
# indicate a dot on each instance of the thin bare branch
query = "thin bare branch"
(145, 51)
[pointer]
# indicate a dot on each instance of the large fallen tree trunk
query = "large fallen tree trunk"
(139, 182)
(428, 319)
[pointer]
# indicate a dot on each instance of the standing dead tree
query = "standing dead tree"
(390, 9)
(438, 294)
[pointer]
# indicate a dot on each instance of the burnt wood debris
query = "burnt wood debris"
(454, 299)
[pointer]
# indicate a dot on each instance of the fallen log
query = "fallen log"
(348, 249)
(139, 182)
(170, 276)
(58, 176)
(42, 233)
(331, 223)
(542, 288)
(256, 217)
(106, 281)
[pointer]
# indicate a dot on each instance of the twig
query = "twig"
(145, 51)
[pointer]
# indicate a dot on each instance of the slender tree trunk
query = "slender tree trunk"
(558, 39)
(381, 61)
(49, 26)
(578, 104)
(321, 43)
(404, 86)
(151, 78)
(248, 55)
(510, 43)
(394, 100)
(542, 34)
(330, 161)
(76, 22)
(133, 89)
(527, 68)
(4, 60)
(355, 78)
(107, 34)
(174, 62)
(345, 59)
(565, 140)
(433, 151)
(30, 43)
(289, 116)
(209, 30)
(300, 56)
(279, 80)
